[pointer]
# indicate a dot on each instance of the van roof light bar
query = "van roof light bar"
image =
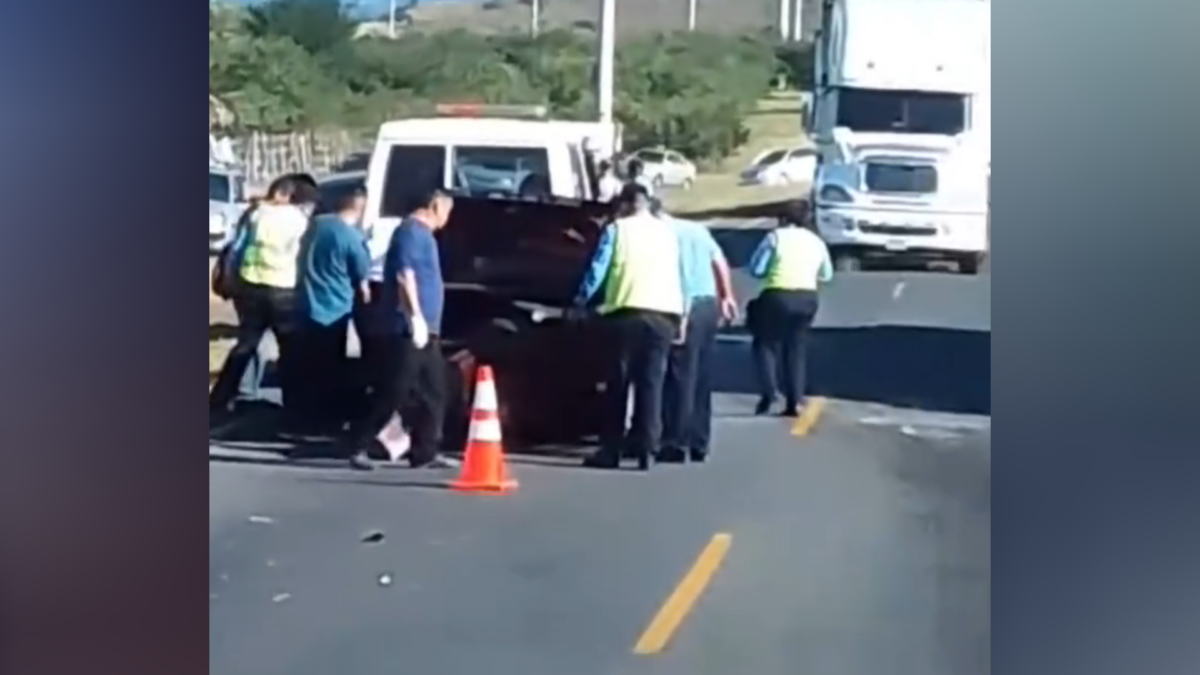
(538, 112)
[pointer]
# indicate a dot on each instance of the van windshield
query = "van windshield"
(501, 171)
(913, 112)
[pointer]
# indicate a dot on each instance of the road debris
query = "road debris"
(385, 579)
(262, 520)
(373, 537)
(281, 597)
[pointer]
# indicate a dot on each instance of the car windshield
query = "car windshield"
(220, 187)
(772, 157)
(650, 157)
(914, 112)
(488, 171)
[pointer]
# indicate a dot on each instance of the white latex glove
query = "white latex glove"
(420, 332)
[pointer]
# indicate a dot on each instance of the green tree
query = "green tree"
(319, 26)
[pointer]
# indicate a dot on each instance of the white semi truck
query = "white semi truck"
(901, 117)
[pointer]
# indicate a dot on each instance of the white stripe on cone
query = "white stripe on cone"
(487, 431)
(485, 397)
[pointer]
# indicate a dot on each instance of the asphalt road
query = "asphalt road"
(859, 545)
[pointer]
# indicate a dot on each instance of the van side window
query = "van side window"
(410, 168)
(487, 171)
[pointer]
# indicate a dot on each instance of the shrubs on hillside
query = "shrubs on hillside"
(291, 64)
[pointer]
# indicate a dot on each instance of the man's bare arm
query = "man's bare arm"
(409, 302)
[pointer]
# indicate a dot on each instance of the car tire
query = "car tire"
(969, 264)
(687, 184)
(657, 181)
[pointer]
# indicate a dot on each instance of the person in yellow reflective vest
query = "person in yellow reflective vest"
(267, 272)
(792, 262)
(638, 267)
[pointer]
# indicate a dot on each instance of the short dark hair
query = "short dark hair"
(424, 196)
(347, 199)
(635, 167)
(605, 165)
(305, 193)
(284, 185)
(633, 196)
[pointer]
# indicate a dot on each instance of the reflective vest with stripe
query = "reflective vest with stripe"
(273, 250)
(797, 260)
(645, 269)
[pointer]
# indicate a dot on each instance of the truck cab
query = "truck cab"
(901, 119)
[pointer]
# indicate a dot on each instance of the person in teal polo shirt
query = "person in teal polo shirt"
(333, 274)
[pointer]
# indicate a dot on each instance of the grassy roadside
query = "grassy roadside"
(776, 123)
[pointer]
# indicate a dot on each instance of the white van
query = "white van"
(483, 157)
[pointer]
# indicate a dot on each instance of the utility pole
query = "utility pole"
(785, 19)
(608, 54)
(691, 15)
(535, 17)
(392, 19)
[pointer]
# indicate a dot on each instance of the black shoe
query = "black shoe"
(601, 460)
(361, 462)
(697, 457)
(791, 410)
(643, 461)
(438, 462)
(672, 456)
(763, 407)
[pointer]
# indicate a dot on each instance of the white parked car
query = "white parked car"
(226, 202)
(664, 167)
(781, 167)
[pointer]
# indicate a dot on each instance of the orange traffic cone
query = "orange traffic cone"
(484, 468)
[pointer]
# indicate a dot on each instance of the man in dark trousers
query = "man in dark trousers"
(333, 275)
(638, 266)
(411, 367)
(793, 262)
(687, 396)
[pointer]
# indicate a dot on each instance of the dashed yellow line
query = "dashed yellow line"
(679, 604)
(809, 416)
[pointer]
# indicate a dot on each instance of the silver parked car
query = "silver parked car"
(664, 167)
(226, 202)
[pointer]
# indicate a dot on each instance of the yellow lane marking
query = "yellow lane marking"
(809, 416)
(680, 602)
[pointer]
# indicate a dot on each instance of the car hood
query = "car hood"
(523, 250)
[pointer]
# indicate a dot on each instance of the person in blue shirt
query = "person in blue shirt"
(687, 391)
(411, 368)
(333, 274)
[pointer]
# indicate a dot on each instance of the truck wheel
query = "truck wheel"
(969, 264)
(847, 262)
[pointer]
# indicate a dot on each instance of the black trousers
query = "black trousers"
(780, 322)
(321, 367)
(641, 341)
(687, 392)
(369, 319)
(411, 382)
(260, 309)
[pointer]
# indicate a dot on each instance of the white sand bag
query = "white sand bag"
(395, 439)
